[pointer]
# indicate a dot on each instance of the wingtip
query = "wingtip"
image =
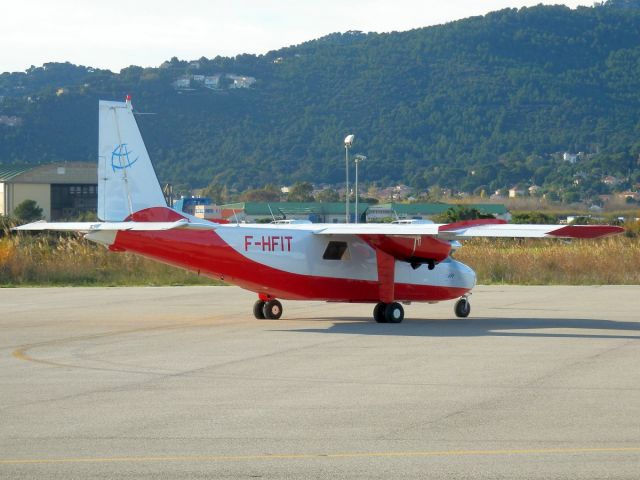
(586, 231)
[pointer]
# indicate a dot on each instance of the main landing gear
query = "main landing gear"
(271, 309)
(388, 312)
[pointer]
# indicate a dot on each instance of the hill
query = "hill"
(478, 104)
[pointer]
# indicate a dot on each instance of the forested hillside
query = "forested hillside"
(482, 103)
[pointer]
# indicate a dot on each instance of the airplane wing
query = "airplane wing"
(461, 232)
(430, 229)
(472, 228)
(431, 243)
(116, 226)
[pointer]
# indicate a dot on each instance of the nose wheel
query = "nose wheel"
(462, 308)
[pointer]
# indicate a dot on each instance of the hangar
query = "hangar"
(63, 190)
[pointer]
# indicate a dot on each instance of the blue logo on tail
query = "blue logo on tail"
(120, 158)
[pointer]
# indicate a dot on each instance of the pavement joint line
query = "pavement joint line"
(310, 456)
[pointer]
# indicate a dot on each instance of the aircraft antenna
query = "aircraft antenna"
(273, 217)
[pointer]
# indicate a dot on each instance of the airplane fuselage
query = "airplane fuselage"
(291, 262)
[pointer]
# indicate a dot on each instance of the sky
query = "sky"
(118, 33)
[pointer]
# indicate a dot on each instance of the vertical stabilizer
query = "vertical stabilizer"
(127, 182)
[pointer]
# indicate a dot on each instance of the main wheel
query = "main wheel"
(378, 312)
(258, 309)
(394, 313)
(272, 310)
(462, 308)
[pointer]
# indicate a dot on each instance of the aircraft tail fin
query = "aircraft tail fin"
(127, 182)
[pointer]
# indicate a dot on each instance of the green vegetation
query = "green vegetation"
(474, 105)
(28, 211)
(533, 217)
(460, 213)
(301, 192)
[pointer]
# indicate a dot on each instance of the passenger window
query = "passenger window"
(336, 251)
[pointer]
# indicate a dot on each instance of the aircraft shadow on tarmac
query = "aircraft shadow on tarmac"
(487, 326)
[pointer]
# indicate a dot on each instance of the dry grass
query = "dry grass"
(27, 260)
(614, 260)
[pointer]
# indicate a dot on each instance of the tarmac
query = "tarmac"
(183, 382)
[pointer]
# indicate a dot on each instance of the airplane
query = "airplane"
(381, 264)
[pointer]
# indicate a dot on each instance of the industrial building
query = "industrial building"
(63, 190)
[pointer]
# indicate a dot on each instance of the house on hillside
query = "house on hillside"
(182, 82)
(611, 180)
(635, 196)
(534, 190)
(516, 191)
(240, 81)
(10, 120)
(212, 81)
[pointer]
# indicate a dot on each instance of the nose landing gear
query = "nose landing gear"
(462, 308)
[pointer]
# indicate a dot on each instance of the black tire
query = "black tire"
(258, 310)
(394, 313)
(378, 312)
(272, 310)
(462, 308)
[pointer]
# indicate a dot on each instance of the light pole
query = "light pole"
(357, 159)
(348, 141)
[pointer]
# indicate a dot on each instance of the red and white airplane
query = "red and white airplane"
(382, 264)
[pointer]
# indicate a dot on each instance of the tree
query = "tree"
(216, 192)
(270, 193)
(461, 212)
(533, 217)
(28, 211)
(327, 195)
(301, 192)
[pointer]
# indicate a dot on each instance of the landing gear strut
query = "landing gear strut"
(388, 312)
(462, 308)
